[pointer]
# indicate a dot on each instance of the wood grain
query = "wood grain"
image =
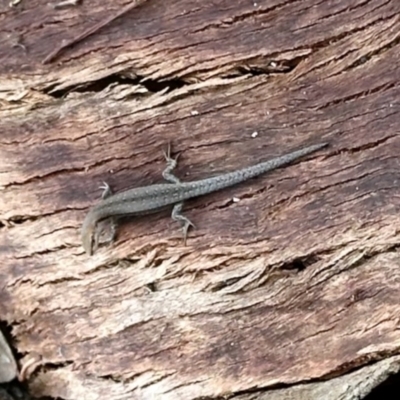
(298, 281)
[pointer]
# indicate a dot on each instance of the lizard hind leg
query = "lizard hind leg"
(106, 232)
(184, 221)
(171, 164)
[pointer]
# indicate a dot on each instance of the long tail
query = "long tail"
(208, 185)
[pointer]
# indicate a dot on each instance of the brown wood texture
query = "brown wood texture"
(296, 282)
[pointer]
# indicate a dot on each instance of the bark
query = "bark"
(290, 292)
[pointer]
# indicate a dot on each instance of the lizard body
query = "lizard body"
(151, 198)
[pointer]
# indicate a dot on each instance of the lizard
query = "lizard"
(148, 199)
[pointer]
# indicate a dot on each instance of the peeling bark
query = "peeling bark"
(292, 289)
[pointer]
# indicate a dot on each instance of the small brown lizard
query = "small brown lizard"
(149, 199)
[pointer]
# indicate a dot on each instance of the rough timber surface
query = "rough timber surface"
(295, 284)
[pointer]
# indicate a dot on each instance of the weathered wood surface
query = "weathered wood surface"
(298, 281)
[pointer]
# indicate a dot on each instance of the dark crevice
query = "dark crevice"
(99, 85)
(226, 283)
(55, 366)
(44, 252)
(152, 287)
(388, 390)
(255, 66)
(372, 254)
(59, 280)
(18, 220)
(16, 390)
(299, 264)
(365, 146)
(258, 69)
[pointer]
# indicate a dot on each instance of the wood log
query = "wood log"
(288, 288)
